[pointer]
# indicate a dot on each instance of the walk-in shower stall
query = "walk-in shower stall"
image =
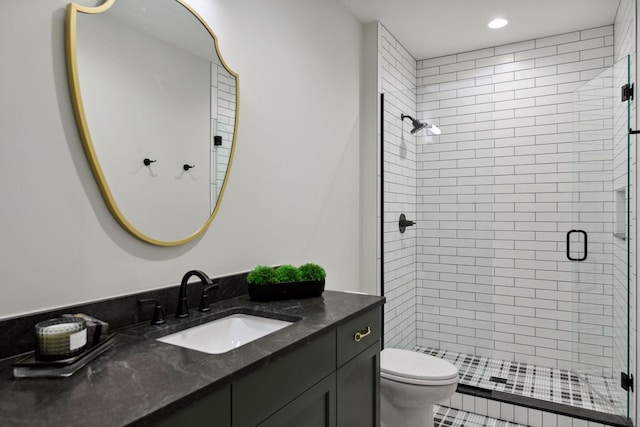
(516, 267)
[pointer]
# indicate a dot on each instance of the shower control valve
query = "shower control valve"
(403, 223)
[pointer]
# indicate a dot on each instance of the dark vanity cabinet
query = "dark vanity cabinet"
(299, 383)
(358, 374)
(211, 410)
(331, 380)
(314, 408)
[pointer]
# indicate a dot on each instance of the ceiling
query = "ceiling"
(432, 28)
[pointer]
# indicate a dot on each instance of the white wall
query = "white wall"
(293, 191)
(370, 183)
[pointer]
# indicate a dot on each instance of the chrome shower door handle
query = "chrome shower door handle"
(584, 233)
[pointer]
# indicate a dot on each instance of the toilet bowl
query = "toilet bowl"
(410, 384)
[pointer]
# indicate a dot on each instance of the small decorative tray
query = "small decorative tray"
(286, 290)
(30, 367)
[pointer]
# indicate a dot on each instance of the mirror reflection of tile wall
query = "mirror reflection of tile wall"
(223, 107)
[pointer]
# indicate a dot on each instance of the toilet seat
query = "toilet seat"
(411, 367)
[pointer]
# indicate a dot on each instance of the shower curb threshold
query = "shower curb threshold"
(547, 406)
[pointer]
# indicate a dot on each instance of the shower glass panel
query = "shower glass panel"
(597, 243)
(399, 250)
(517, 267)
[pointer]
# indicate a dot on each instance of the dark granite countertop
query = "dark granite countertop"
(139, 378)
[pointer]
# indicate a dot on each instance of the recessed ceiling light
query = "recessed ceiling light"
(497, 23)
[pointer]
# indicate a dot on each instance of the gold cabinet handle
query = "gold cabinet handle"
(362, 333)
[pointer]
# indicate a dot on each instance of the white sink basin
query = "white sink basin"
(225, 334)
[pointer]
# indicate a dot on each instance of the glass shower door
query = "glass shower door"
(596, 186)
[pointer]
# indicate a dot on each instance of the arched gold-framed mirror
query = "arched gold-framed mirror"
(157, 112)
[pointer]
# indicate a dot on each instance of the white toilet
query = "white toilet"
(410, 384)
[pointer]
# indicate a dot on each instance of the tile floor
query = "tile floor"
(448, 417)
(554, 385)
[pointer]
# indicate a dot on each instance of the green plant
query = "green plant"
(261, 275)
(287, 273)
(311, 271)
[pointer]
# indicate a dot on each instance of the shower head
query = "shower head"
(419, 125)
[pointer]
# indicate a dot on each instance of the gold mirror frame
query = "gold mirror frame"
(83, 128)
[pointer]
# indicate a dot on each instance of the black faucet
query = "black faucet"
(182, 310)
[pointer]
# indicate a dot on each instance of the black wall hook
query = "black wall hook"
(186, 167)
(148, 161)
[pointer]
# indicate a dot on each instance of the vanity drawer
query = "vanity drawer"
(358, 334)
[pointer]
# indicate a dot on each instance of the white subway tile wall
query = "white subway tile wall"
(511, 413)
(449, 417)
(499, 190)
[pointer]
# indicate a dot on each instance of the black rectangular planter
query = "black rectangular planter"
(286, 290)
